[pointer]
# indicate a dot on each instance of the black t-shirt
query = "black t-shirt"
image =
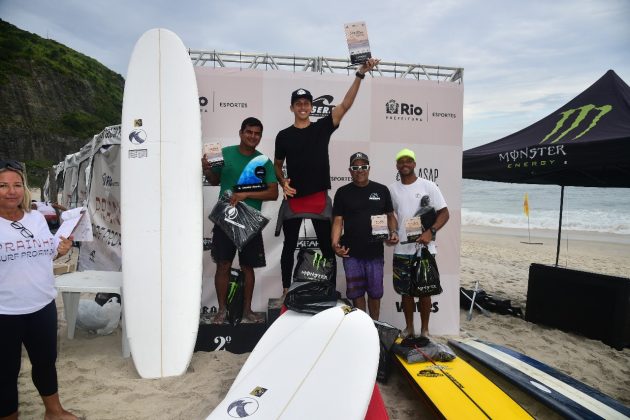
(306, 154)
(356, 204)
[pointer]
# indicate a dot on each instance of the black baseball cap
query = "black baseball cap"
(299, 94)
(359, 155)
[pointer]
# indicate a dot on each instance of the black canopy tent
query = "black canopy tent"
(585, 143)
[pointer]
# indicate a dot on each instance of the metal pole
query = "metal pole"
(472, 300)
(483, 311)
(560, 223)
(52, 186)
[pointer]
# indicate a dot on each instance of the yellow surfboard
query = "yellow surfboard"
(458, 391)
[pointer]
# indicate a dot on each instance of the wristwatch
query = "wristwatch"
(433, 232)
(360, 75)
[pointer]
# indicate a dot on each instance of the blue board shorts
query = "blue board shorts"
(364, 276)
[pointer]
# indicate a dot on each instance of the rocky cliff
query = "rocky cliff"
(52, 99)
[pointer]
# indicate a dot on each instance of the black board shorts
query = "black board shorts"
(223, 249)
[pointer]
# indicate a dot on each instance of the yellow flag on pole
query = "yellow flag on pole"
(526, 206)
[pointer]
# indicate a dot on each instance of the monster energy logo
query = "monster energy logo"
(232, 288)
(319, 260)
(584, 111)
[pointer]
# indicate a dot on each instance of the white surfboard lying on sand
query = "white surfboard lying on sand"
(161, 205)
(323, 367)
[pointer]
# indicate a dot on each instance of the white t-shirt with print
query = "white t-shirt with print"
(406, 200)
(27, 283)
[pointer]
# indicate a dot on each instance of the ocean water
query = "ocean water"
(498, 204)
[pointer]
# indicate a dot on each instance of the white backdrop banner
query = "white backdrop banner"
(70, 177)
(387, 115)
(103, 204)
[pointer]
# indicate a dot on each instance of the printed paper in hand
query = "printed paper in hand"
(379, 226)
(213, 153)
(413, 227)
(358, 43)
(75, 222)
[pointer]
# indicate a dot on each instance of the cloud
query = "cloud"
(521, 60)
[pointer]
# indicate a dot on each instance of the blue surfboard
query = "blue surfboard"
(562, 393)
(253, 176)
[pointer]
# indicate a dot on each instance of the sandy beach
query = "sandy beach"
(97, 383)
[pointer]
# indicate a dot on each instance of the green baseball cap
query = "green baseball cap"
(406, 153)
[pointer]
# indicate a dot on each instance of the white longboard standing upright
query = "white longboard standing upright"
(161, 205)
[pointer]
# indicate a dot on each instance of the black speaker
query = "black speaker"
(594, 305)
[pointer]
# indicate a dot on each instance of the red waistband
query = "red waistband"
(312, 203)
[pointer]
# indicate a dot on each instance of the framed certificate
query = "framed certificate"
(358, 43)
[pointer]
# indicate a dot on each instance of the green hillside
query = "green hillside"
(52, 99)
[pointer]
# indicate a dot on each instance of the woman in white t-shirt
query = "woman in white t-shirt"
(28, 314)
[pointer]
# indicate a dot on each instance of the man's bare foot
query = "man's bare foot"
(63, 415)
(252, 318)
(219, 318)
(54, 410)
(407, 333)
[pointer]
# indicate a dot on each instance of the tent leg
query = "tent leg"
(472, 300)
(560, 223)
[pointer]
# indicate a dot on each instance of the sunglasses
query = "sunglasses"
(11, 164)
(23, 230)
(359, 167)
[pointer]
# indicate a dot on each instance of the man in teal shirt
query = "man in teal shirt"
(252, 255)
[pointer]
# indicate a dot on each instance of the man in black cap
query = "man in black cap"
(304, 146)
(364, 210)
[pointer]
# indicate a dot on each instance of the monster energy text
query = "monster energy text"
(532, 156)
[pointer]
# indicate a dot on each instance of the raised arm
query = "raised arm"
(340, 110)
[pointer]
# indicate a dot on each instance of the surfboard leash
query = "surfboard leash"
(450, 377)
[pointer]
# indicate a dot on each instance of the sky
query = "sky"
(522, 59)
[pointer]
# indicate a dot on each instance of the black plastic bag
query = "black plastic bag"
(416, 275)
(101, 298)
(311, 297)
(387, 335)
(240, 223)
(235, 296)
(313, 266)
(489, 302)
(425, 277)
(424, 351)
